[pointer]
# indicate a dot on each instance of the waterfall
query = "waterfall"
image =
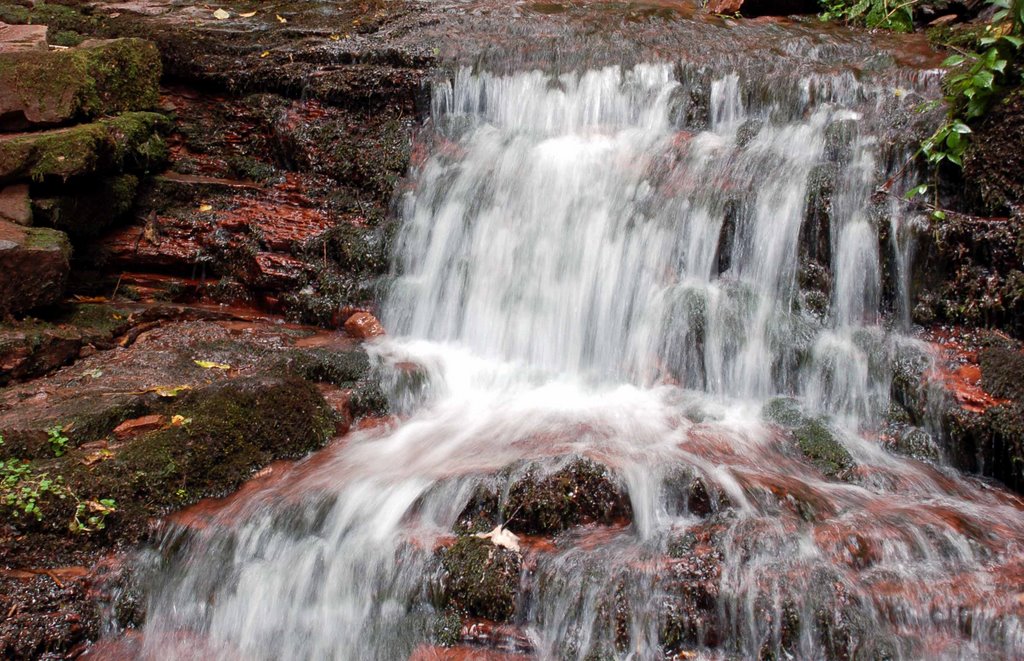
(631, 265)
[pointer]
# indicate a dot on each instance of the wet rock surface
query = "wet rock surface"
(170, 405)
(34, 265)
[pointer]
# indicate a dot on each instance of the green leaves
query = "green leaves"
(977, 80)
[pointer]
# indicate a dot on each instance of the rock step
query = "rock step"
(40, 88)
(130, 140)
(34, 265)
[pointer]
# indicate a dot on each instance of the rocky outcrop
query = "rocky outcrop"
(34, 265)
(46, 88)
(127, 141)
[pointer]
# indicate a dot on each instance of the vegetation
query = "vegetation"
(986, 67)
(897, 15)
(982, 74)
(25, 490)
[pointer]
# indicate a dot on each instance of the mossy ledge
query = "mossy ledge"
(130, 141)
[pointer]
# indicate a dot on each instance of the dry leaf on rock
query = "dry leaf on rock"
(503, 537)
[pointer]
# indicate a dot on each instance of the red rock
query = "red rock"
(15, 205)
(137, 426)
(19, 38)
(278, 272)
(363, 325)
(724, 6)
(34, 265)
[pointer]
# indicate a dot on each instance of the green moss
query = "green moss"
(447, 629)
(67, 38)
(783, 411)
(581, 492)
(327, 366)
(231, 429)
(812, 436)
(819, 444)
(128, 141)
(480, 578)
(14, 14)
(99, 78)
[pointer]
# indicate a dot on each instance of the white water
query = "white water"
(581, 271)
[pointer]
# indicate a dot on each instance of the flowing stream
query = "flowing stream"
(674, 271)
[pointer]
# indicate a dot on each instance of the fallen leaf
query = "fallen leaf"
(248, 14)
(96, 457)
(115, 14)
(220, 15)
(265, 53)
(210, 365)
(281, 19)
(179, 420)
(169, 391)
(501, 536)
(89, 299)
(205, 207)
(94, 373)
(335, 37)
(97, 506)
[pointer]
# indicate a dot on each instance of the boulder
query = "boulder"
(34, 265)
(15, 206)
(363, 326)
(129, 140)
(46, 88)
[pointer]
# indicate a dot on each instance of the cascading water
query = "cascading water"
(611, 264)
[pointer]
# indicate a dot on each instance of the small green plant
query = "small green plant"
(91, 515)
(58, 441)
(896, 15)
(23, 490)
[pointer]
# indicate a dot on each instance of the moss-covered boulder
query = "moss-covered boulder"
(42, 88)
(34, 265)
(813, 438)
(581, 492)
(480, 579)
(87, 208)
(223, 433)
(1002, 372)
(128, 141)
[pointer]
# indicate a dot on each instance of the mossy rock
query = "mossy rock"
(95, 79)
(447, 629)
(819, 444)
(582, 492)
(129, 141)
(813, 437)
(1002, 372)
(58, 16)
(86, 209)
(34, 265)
(341, 368)
(230, 429)
(480, 579)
